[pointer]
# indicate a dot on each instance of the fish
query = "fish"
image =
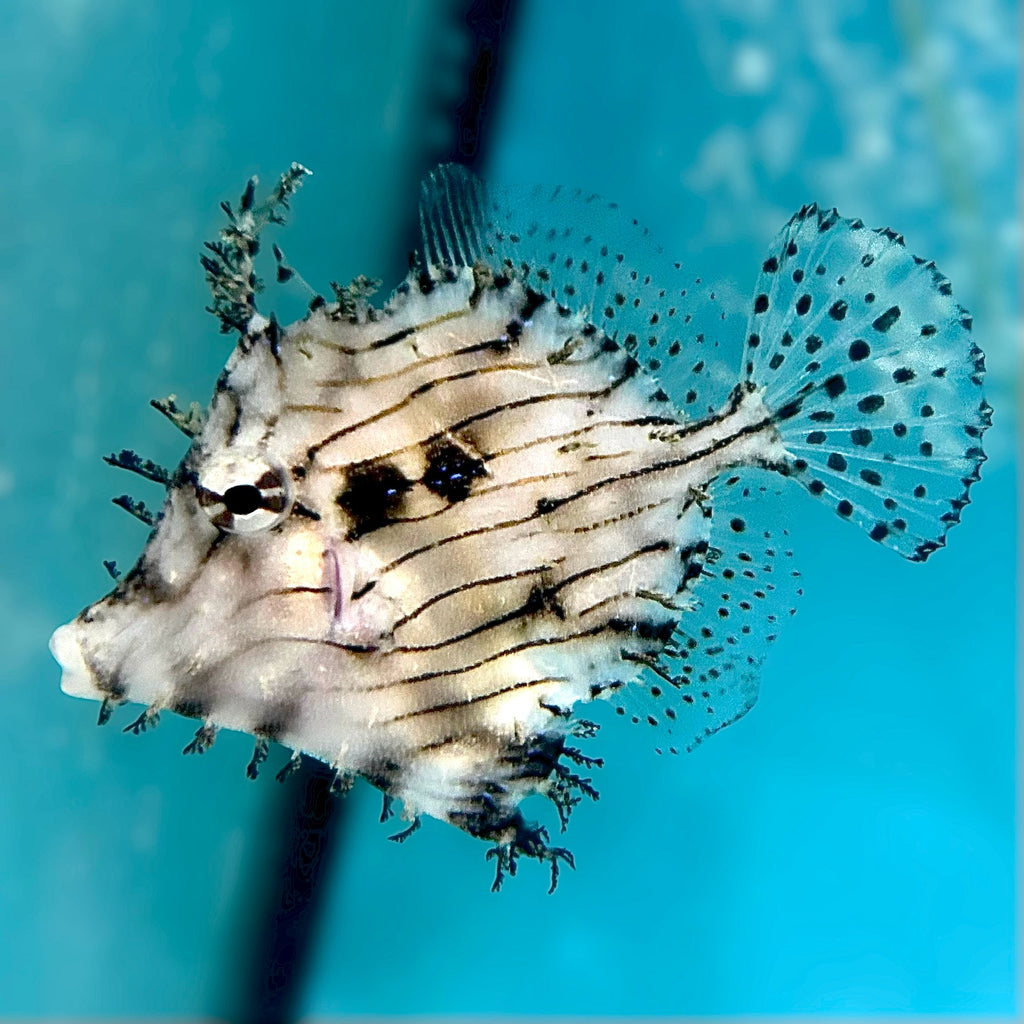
(415, 542)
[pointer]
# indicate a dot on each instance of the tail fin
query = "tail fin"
(868, 366)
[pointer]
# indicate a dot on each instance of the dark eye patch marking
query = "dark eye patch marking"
(373, 496)
(451, 471)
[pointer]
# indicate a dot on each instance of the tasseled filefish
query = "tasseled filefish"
(414, 542)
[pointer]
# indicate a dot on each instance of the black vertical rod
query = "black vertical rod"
(281, 923)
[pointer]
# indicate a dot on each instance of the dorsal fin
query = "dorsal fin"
(584, 253)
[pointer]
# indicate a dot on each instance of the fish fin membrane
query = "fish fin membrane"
(708, 675)
(586, 254)
(868, 366)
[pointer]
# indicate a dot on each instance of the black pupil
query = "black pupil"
(242, 499)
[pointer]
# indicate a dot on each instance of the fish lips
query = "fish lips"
(77, 677)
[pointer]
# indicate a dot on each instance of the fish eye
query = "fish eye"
(243, 491)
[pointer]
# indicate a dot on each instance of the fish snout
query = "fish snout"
(77, 678)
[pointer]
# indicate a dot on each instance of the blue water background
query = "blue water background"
(849, 846)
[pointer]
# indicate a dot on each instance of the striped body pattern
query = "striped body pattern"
(414, 542)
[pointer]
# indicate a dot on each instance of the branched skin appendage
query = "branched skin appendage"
(136, 508)
(583, 729)
(539, 764)
(149, 719)
(259, 755)
(229, 266)
(134, 463)
(353, 299)
(567, 788)
(291, 766)
(203, 740)
(517, 839)
(342, 782)
(107, 708)
(400, 837)
(189, 421)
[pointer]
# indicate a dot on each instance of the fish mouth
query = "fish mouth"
(335, 587)
(77, 678)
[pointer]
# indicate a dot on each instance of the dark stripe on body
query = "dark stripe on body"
(361, 381)
(390, 339)
(567, 436)
(475, 699)
(463, 587)
(520, 403)
(417, 392)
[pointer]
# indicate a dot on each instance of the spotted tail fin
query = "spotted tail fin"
(869, 369)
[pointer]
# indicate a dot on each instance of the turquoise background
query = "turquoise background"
(847, 847)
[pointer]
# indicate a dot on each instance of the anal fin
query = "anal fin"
(707, 677)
